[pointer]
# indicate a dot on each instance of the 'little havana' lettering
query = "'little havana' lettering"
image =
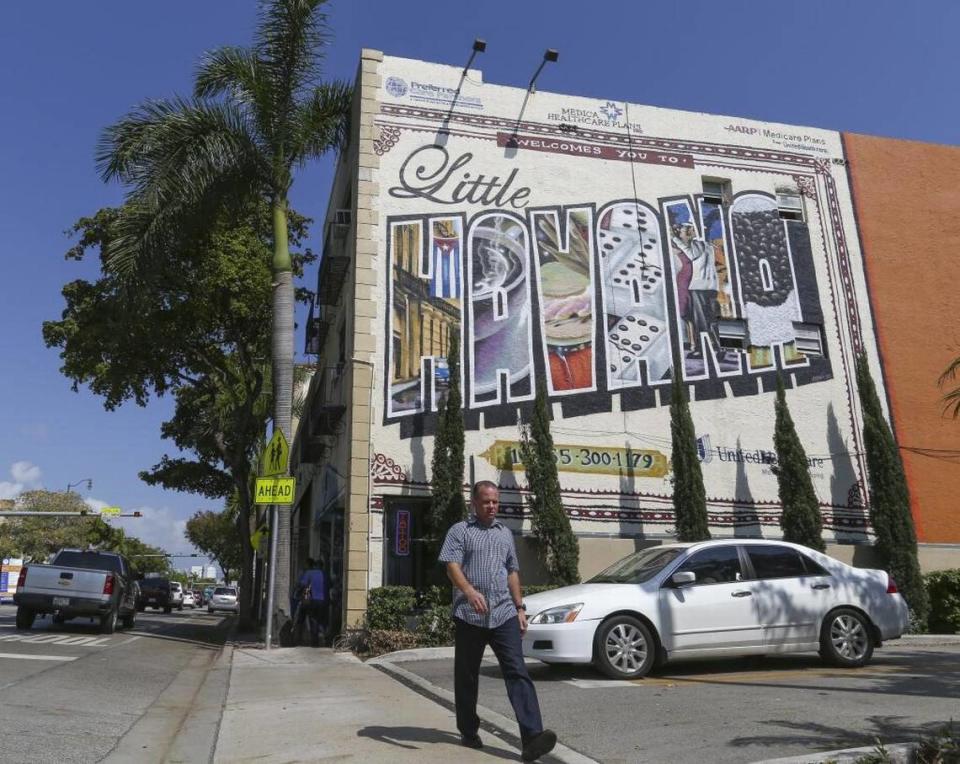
(577, 148)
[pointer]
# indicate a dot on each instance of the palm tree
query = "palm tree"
(256, 115)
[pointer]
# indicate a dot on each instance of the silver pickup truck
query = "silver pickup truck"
(79, 583)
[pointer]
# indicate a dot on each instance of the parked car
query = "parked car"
(79, 583)
(714, 599)
(176, 594)
(224, 598)
(198, 597)
(155, 593)
(189, 600)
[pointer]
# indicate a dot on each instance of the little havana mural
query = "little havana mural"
(598, 298)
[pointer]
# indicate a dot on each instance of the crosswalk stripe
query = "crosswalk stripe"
(24, 657)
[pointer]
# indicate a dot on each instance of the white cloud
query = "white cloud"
(26, 477)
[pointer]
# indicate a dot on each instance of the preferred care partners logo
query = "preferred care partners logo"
(427, 93)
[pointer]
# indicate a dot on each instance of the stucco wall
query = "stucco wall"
(906, 194)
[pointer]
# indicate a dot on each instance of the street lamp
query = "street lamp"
(88, 481)
(551, 55)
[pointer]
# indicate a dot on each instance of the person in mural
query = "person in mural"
(700, 309)
(488, 608)
(684, 268)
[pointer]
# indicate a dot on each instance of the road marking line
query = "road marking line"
(56, 639)
(128, 641)
(25, 657)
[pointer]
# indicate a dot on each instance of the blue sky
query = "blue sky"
(69, 69)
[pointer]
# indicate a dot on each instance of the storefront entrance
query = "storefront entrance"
(406, 549)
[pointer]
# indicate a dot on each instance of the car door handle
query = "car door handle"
(741, 594)
(820, 586)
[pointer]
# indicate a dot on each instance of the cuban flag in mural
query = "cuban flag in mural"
(446, 268)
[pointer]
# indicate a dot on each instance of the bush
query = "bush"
(435, 625)
(943, 586)
(388, 607)
(536, 589)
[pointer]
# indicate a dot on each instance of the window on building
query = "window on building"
(716, 191)
(809, 338)
(790, 204)
(733, 333)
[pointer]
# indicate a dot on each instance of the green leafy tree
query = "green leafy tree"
(256, 115)
(192, 327)
(889, 498)
(551, 526)
(36, 538)
(217, 534)
(689, 495)
(447, 505)
(800, 518)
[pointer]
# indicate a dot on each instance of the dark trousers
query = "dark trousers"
(314, 613)
(505, 641)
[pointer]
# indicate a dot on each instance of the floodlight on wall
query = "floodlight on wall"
(550, 55)
(479, 46)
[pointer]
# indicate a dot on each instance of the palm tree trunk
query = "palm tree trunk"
(282, 346)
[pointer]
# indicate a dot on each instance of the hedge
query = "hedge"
(943, 586)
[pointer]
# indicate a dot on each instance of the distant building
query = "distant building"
(604, 247)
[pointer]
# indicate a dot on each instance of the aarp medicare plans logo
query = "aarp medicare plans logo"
(396, 87)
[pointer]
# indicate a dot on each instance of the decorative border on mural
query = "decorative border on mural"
(385, 471)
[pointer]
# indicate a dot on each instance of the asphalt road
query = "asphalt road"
(70, 694)
(736, 710)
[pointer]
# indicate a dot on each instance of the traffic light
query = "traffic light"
(137, 514)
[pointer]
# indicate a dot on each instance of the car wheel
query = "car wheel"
(108, 624)
(167, 610)
(130, 619)
(141, 608)
(59, 620)
(210, 610)
(180, 608)
(624, 648)
(25, 618)
(846, 639)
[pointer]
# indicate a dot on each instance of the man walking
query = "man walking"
(488, 608)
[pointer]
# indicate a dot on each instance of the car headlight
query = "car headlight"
(561, 614)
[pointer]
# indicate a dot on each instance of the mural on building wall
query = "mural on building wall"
(710, 283)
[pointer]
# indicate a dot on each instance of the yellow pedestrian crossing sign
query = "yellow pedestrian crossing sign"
(275, 490)
(276, 456)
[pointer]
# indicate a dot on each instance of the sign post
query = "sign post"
(274, 462)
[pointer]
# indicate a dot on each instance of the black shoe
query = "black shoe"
(471, 741)
(539, 745)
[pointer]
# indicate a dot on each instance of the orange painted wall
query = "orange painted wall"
(907, 199)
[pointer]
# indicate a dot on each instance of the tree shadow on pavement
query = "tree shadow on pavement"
(824, 737)
(409, 737)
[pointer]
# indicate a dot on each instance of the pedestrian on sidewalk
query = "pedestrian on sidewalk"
(313, 600)
(488, 609)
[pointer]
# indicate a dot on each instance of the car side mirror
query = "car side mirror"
(683, 577)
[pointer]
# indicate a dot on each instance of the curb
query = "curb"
(898, 753)
(499, 725)
(923, 640)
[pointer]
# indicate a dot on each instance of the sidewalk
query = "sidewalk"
(306, 705)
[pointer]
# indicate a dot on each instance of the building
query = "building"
(602, 246)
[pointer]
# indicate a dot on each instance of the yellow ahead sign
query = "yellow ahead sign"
(108, 511)
(275, 490)
(276, 456)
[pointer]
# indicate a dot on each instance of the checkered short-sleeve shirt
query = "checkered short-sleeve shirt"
(486, 554)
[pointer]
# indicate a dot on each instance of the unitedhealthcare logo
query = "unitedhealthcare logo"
(704, 452)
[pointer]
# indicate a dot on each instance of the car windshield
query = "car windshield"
(638, 567)
(224, 590)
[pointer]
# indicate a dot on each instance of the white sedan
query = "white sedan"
(189, 600)
(712, 599)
